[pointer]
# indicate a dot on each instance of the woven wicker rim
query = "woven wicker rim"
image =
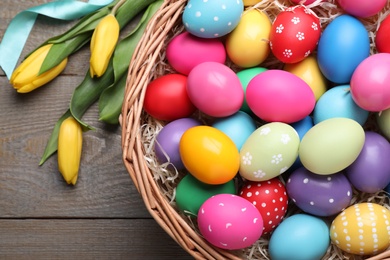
(146, 55)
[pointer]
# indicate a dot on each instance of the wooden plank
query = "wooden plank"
(86, 239)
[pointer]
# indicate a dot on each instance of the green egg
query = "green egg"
(191, 193)
(331, 145)
(269, 151)
(383, 120)
(245, 76)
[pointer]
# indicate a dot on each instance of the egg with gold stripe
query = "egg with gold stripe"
(362, 229)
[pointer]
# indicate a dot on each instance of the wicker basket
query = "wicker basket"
(138, 132)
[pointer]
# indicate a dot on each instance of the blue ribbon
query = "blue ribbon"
(19, 29)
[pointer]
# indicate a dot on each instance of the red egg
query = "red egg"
(166, 98)
(270, 198)
(382, 37)
(294, 34)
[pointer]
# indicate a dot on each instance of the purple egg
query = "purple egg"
(320, 195)
(168, 139)
(370, 172)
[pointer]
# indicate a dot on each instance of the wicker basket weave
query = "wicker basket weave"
(147, 64)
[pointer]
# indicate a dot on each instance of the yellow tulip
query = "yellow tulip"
(70, 141)
(103, 42)
(26, 77)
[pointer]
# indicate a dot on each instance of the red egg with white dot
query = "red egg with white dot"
(270, 198)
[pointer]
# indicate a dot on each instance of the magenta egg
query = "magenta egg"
(215, 89)
(370, 172)
(185, 51)
(370, 83)
(279, 96)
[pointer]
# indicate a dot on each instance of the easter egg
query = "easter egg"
(229, 222)
(168, 138)
(245, 76)
(212, 19)
(166, 98)
(369, 84)
(250, 2)
(191, 193)
(238, 127)
(362, 229)
(209, 154)
(338, 102)
(294, 34)
(277, 95)
(383, 122)
(309, 71)
(299, 237)
(331, 145)
(268, 152)
(382, 36)
(370, 172)
(185, 51)
(301, 127)
(270, 198)
(319, 195)
(362, 8)
(343, 45)
(215, 89)
(247, 45)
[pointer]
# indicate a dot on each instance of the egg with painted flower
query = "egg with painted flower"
(269, 151)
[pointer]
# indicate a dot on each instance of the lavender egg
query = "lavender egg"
(320, 195)
(168, 139)
(370, 172)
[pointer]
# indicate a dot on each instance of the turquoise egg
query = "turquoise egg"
(269, 151)
(238, 127)
(300, 237)
(343, 45)
(338, 102)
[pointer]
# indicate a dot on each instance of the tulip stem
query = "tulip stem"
(117, 5)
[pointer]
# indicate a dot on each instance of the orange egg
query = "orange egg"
(209, 155)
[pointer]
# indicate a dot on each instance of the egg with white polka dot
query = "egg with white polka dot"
(230, 222)
(362, 229)
(270, 198)
(212, 18)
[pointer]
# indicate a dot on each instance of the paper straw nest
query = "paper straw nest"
(155, 182)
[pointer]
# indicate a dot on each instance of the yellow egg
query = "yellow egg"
(250, 2)
(362, 229)
(309, 71)
(209, 154)
(247, 45)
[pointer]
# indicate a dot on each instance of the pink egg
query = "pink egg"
(279, 96)
(215, 89)
(362, 8)
(185, 51)
(370, 83)
(230, 222)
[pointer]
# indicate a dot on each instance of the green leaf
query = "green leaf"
(111, 100)
(52, 144)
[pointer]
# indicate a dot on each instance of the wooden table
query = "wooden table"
(41, 217)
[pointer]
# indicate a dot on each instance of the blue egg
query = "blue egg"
(338, 102)
(300, 237)
(212, 18)
(343, 45)
(238, 127)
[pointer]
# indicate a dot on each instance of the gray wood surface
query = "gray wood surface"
(103, 216)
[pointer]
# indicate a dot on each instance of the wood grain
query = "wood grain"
(41, 217)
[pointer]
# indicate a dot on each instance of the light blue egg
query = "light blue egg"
(238, 127)
(338, 102)
(300, 237)
(343, 45)
(212, 18)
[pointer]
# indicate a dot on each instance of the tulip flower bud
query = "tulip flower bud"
(70, 141)
(103, 42)
(26, 77)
